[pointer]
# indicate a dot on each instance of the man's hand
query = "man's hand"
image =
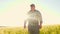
(24, 26)
(40, 26)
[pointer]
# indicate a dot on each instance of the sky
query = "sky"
(12, 12)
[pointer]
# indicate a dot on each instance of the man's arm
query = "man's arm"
(40, 16)
(25, 24)
(41, 21)
(25, 20)
(40, 24)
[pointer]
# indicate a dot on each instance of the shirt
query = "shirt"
(34, 16)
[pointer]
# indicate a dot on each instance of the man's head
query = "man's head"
(32, 7)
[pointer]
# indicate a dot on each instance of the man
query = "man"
(34, 20)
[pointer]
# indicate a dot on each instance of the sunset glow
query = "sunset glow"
(13, 12)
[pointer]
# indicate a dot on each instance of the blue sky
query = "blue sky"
(12, 11)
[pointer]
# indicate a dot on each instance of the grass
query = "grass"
(50, 29)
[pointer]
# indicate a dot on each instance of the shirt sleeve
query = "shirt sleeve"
(40, 16)
(26, 16)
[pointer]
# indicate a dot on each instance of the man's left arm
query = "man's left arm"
(40, 16)
(41, 21)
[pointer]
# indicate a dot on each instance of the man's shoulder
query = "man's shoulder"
(37, 11)
(29, 12)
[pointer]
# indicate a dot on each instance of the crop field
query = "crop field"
(50, 29)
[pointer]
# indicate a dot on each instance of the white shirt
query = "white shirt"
(36, 15)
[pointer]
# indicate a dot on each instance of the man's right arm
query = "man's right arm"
(25, 20)
(25, 24)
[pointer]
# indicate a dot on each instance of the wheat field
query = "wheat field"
(50, 29)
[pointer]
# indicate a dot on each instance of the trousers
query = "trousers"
(33, 27)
